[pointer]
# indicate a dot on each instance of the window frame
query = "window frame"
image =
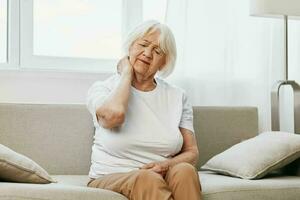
(20, 41)
(13, 36)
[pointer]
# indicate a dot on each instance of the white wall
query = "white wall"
(71, 88)
(45, 87)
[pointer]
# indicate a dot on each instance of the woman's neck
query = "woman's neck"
(144, 85)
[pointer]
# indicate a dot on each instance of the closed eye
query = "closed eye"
(158, 51)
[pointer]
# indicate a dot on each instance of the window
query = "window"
(77, 28)
(3, 28)
(69, 35)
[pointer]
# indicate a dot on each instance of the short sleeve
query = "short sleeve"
(98, 93)
(187, 114)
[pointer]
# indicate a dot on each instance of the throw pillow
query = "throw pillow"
(15, 167)
(256, 157)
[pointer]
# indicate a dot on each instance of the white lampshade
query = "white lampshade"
(273, 8)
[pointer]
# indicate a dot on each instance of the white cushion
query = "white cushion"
(256, 157)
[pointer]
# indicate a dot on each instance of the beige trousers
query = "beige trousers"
(180, 183)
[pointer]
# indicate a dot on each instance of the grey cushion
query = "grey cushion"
(220, 187)
(16, 167)
(254, 158)
(68, 188)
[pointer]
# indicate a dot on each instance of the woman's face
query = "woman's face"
(146, 56)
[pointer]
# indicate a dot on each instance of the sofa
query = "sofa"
(59, 138)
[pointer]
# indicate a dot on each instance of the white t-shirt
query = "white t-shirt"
(150, 132)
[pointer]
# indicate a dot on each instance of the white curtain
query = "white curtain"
(228, 58)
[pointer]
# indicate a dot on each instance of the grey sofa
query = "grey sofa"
(59, 138)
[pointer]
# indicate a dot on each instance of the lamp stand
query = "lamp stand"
(275, 114)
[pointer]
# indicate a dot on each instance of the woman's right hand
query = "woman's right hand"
(161, 167)
(124, 66)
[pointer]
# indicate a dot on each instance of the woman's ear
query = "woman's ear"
(129, 50)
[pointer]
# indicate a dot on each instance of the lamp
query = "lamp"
(277, 8)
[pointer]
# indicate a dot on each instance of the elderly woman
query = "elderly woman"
(144, 144)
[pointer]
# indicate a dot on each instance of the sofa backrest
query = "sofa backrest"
(218, 128)
(59, 137)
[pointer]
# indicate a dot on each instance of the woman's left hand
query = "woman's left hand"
(158, 167)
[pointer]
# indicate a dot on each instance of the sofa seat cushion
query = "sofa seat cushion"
(215, 187)
(68, 187)
(272, 187)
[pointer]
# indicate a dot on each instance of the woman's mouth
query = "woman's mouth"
(143, 61)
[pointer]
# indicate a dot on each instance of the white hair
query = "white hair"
(166, 43)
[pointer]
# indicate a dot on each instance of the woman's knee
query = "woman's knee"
(150, 185)
(183, 169)
(182, 172)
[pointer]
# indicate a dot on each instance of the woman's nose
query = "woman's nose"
(148, 52)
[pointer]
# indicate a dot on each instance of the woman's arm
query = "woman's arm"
(112, 112)
(189, 151)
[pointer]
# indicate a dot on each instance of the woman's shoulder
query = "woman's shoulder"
(113, 78)
(170, 87)
(109, 81)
